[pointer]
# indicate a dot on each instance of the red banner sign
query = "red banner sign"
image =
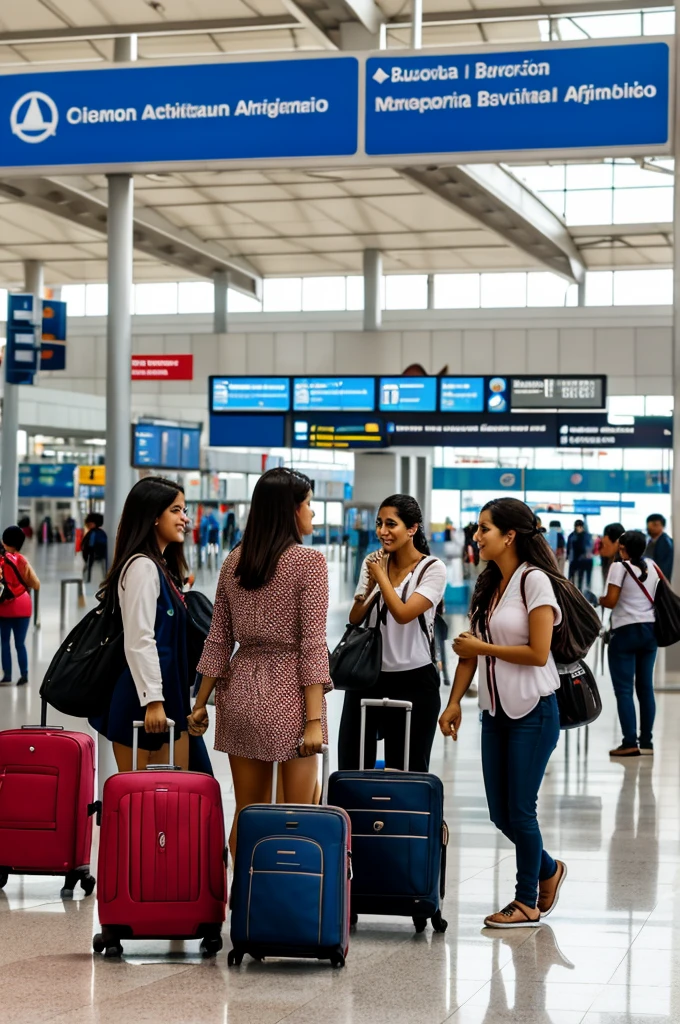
(162, 367)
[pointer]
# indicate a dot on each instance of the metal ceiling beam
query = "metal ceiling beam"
(165, 28)
(537, 12)
(492, 196)
(308, 20)
(153, 234)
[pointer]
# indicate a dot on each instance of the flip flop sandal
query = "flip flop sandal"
(508, 912)
(556, 895)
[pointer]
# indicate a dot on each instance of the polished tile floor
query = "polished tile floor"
(608, 956)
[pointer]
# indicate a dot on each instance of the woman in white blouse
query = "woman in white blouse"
(147, 576)
(512, 617)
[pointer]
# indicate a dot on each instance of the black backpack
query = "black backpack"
(578, 698)
(580, 625)
(199, 617)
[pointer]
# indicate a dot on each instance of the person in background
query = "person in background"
(609, 547)
(18, 577)
(95, 545)
(660, 545)
(558, 545)
(26, 528)
(631, 586)
(580, 555)
(229, 529)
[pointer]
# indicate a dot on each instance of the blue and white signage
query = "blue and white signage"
(43, 480)
(334, 394)
(548, 99)
(220, 111)
(250, 394)
(408, 394)
(461, 394)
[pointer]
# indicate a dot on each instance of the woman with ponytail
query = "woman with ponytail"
(631, 586)
(513, 613)
(404, 585)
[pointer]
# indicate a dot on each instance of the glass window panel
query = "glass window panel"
(456, 291)
(355, 292)
(321, 293)
(568, 28)
(546, 290)
(630, 175)
(74, 297)
(626, 405)
(589, 176)
(238, 302)
(643, 205)
(659, 405)
(406, 291)
(599, 288)
(589, 207)
(658, 23)
(335, 513)
(282, 295)
(555, 200)
(643, 287)
(319, 510)
(572, 295)
(96, 300)
(159, 298)
(611, 26)
(195, 297)
(541, 178)
(503, 290)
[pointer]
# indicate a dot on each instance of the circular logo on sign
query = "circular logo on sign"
(576, 478)
(508, 479)
(34, 117)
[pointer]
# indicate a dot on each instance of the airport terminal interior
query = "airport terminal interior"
(416, 247)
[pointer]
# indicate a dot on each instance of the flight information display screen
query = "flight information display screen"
(408, 394)
(344, 432)
(249, 394)
(247, 431)
(334, 394)
(461, 394)
(166, 446)
(565, 392)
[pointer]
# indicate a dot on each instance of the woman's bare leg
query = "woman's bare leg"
(252, 785)
(123, 755)
(300, 778)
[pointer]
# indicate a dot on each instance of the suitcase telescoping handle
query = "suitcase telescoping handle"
(136, 726)
(385, 702)
(325, 774)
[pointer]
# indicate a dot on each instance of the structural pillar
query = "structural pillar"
(430, 291)
(221, 283)
(581, 292)
(416, 24)
(372, 289)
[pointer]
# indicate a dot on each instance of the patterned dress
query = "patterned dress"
(281, 633)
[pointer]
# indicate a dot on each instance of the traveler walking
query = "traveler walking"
(558, 545)
(147, 575)
(95, 546)
(18, 579)
(404, 585)
(272, 599)
(513, 612)
(580, 555)
(609, 547)
(631, 586)
(660, 545)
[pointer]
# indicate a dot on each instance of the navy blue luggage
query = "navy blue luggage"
(399, 835)
(290, 893)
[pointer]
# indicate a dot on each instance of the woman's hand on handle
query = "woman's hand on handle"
(198, 720)
(312, 739)
(449, 723)
(155, 719)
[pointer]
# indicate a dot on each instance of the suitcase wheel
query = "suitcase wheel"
(438, 922)
(110, 947)
(337, 959)
(353, 920)
(211, 947)
(4, 875)
(71, 880)
(87, 883)
(420, 923)
(234, 958)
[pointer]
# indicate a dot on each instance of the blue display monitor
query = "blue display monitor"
(334, 394)
(461, 394)
(249, 394)
(408, 394)
(247, 431)
(166, 446)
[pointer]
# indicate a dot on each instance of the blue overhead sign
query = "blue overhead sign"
(46, 480)
(547, 99)
(216, 111)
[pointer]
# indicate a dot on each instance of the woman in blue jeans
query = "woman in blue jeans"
(631, 586)
(18, 578)
(513, 613)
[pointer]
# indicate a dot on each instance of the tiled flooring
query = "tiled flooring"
(607, 956)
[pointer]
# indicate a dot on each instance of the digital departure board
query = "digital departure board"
(408, 394)
(159, 445)
(575, 392)
(461, 394)
(247, 431)
(338, 432)
(249, 394)
(334, 394)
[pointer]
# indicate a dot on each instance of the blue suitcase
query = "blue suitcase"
(399, 835)
(290, 893)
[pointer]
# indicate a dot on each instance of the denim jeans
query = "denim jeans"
(515, 753)
(19, 627)
(632, 653)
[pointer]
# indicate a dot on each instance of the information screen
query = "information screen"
(408, 394)
(164, 446)
(558, 392)
(249, 394)
(461, 394)
(247, 431)
(334, 394)
(344, 432)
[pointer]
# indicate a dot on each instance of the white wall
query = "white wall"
(633, 345)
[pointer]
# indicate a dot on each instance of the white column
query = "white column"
(416, 24)
(430, 291)
(372, 289)
(220, 316)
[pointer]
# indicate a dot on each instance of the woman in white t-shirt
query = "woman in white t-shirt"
(410, 584)
(631, 586)
(512, 616)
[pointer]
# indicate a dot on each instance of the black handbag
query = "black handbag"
(578, 698)
(199, 618)
(356, 662)
(666, 606)
(83, 673)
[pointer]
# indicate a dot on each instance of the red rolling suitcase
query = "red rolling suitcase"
(46, 804)
(162, 871)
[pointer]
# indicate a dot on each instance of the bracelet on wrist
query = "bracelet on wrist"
(313, 720)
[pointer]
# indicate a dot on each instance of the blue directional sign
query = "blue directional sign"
(334, 394)
(249, 394)
(235, 110)
(548, 99)
(43, 480)
(408, 394)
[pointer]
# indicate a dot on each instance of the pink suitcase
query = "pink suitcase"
(162, 871)
(46, 804)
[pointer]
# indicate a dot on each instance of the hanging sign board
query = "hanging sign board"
(163, 367)
(92, 476)
(45, 480)
(53, 348)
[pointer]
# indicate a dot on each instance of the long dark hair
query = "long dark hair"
(635, 542)
(272, 526)
(614, 532)
(532, 547)
(146, 502)
(409, 512)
